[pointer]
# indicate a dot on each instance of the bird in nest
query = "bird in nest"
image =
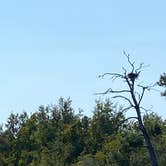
(132, 76)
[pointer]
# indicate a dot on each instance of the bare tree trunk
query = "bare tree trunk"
(148, 142)
(144, 131)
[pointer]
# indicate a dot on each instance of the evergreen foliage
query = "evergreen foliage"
(56, 136)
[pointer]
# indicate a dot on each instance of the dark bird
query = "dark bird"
(132, 76)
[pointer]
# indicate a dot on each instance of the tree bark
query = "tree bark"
(147, 140)
(149, 144)
(144, 131)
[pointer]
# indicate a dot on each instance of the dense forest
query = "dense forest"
(56, 136)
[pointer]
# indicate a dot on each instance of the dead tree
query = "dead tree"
(134, 99)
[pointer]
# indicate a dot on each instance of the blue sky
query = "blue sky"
(50, 49)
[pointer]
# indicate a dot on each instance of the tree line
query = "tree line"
(57, 136)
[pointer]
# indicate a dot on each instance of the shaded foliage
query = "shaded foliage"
(162, 83)
(55, 135)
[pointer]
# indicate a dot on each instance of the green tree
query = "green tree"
(55, 135)
(105, 121)
(162, 83)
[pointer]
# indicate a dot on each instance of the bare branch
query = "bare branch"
(142, 94)
(125, 98)
(123, 121)
(144, 88)
(103, 93)
(129, 84)
(128, 58)
(120, 91)
(112, 91)
(125, 71)
(132, 117)
(127, 108)
(140, 67)
(149, 87)
(113, 75)
(146, 110)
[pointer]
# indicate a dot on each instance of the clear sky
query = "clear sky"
(55, 48)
